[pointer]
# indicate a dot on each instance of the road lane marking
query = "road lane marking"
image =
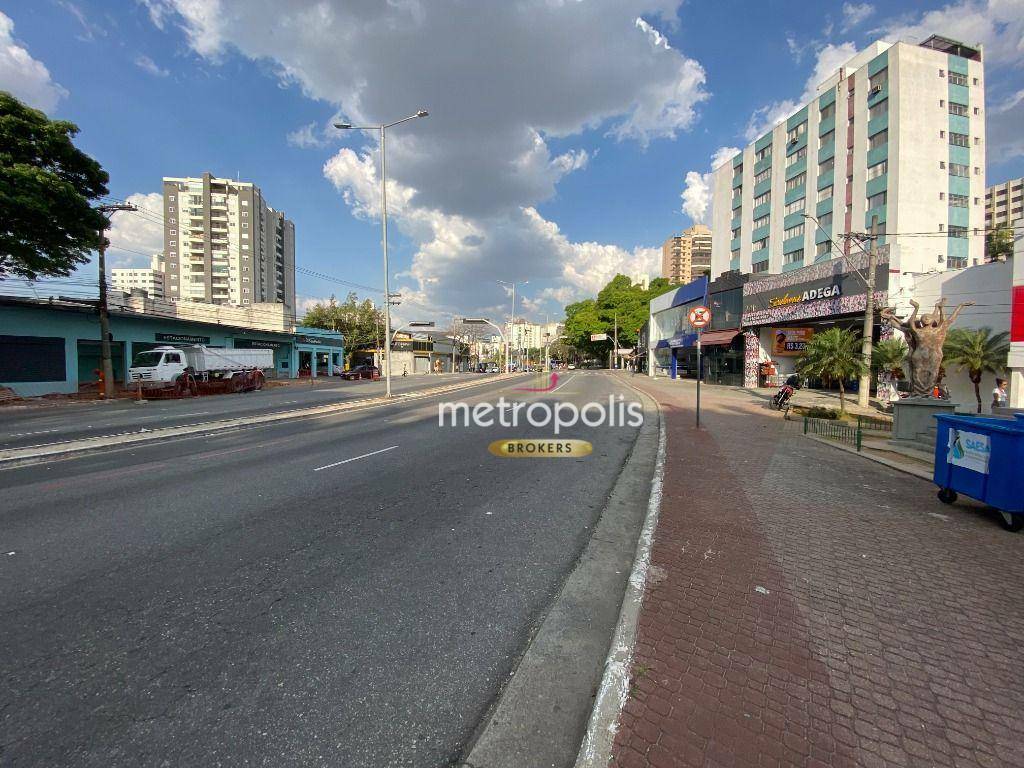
(568, 379)
(355, 458)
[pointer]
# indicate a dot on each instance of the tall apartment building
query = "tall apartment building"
(224, 244)
(1004, 204)
(150, 280)
(686, 257)
(897, 133)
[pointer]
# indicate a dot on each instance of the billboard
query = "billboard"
(790, 341)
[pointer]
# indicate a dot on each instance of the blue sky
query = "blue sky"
(560, 138)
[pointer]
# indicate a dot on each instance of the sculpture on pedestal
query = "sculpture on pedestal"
(925, 336)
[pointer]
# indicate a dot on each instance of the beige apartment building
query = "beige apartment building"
(686, 257)
(132, 280)
(1004, 204)
(224, 244)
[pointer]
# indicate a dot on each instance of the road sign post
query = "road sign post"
(699, 317)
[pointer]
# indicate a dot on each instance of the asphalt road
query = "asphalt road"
(43, 424)
(347, 590)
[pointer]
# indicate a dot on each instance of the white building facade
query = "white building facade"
(150, 280)
(896, 137)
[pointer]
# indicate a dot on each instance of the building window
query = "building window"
(170, 197)
(796, 231)
(796, 182)
(822, 249)
(796, 206)
(795, 133)
(879, 139)
(942, 165)
(956, 262)
(975, 81)
(878, 169)
(826, 165)
(793, 257)
(245, 214)
(762, 199)
(825, 220)
(763, 154)
(758, 223)
(759, 244)
(829, 110)
(977, 141)
(955, 78)
(959, 201)
(796, 157)
(958, 109)
(759, 266)
(735, 254)
(878, 80)
(942, 103)
(879, 109)
(825, 193)
(942, 73)
(977, 171)
(876, 201)
(957, 169)
(942, 195)
(245, 203)
(763, 176)
(736, 232)
(826, 138)
(959, 139)
(955, 231)
(977, 201)
(245, 225)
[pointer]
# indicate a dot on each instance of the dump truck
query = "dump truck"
(187, 370)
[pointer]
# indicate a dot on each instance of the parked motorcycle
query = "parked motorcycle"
(782, 397)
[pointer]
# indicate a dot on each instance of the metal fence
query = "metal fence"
(873, 423)
(833, 429)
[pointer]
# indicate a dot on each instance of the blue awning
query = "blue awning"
(662, 344)
(683, 340)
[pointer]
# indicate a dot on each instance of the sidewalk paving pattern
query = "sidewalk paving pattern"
(809, 607)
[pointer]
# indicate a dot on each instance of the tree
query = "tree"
(833, 354)
(999, 244)
(47, 225)
(359, 322)
(888, 356)
(978, 352)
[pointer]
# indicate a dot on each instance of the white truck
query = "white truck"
(188, 369)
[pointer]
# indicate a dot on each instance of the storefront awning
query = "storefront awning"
(719, 338)
(683, 340)
(662, 344)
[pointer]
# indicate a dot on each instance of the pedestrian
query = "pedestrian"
(999, 394)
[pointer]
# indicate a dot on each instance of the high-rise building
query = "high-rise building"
(150, 280)
(895, 136)
(223, 244)
(686, 257)
(1004, 204)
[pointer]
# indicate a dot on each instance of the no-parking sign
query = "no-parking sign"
(700, 317)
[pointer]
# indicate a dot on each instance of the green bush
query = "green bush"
(820, 412)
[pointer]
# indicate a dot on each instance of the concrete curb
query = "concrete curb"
(921, 473)
(545, 706)
(596, 749)
(17, 457)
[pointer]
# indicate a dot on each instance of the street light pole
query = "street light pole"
(106, 361)
(864, 387)
(384, 229)
(511, 326)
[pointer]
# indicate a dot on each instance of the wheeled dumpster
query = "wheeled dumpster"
(983, 458)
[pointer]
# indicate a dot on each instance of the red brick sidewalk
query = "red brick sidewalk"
(807, 607)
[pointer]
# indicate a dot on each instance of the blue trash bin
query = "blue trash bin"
(983, 458)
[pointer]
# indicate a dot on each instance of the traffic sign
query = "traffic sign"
(700, 317)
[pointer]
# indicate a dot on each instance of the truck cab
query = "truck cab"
(162, 365)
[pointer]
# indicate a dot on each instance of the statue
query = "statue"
(925, 336)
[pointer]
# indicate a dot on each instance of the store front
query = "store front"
(671, 345)
(317, 352)
(781, 313)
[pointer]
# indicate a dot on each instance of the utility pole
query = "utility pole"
(106, 362)
(864, 388)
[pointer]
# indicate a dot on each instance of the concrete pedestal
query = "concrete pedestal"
(913, 423)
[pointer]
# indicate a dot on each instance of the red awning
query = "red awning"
(719, 338)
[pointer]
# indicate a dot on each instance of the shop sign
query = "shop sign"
(259, 344)
(969, 450)
(790, 341)
(182, 338)
(809, 295)
(312, 340)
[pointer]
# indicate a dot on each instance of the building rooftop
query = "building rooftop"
(954, 47)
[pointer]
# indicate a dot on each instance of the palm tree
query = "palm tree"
(833, 354)
(888, 356)
(978, 351)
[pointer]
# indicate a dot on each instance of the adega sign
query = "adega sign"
(809, 295)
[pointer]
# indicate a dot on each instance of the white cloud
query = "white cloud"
(500, 82)
(26, 78)
(307, 137)
(1005, 137)
(90, 31)
(697, 194)
(140, 233)
(855, 14)
(828, 59)
(146, 64)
